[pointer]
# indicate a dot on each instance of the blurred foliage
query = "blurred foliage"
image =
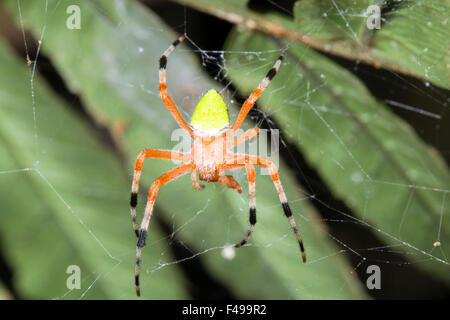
(357, 153)
(339, 28)
(71, 205)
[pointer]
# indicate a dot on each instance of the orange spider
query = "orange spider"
(212, 138)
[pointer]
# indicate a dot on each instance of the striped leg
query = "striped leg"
(287, 210)
(162, 180)
(260, 161)
(252, 203)
(248, 104)
(148, 153)
(163, 87)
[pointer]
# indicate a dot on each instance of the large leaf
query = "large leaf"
(61, 199)
(368, 156)
(112, 64)
(339, 27)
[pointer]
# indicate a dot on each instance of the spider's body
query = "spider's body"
(210, 123)
(207, 156)
(212, 137)
(210, 115)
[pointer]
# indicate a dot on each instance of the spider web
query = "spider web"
(380, 247)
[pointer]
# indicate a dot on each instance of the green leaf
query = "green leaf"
(371, 159)
(339, 28)
(63, 199)
(343, 26)
(112, 64)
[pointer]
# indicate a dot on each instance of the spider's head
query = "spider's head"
(211, 113)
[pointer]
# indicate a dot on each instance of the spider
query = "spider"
(209, 157)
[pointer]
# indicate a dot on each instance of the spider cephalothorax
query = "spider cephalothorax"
(212, 137)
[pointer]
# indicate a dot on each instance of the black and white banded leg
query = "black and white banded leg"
(163, 87)
(249, 103)
(148, 153)
(252, 203)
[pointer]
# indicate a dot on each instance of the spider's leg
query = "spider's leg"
(252, 203)
(230, 182)
(247, 135)
(163, 87)
(162, 180)
(287, 210)
(194, 180)
(260, 161)
(148, 153)
(248, 104)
